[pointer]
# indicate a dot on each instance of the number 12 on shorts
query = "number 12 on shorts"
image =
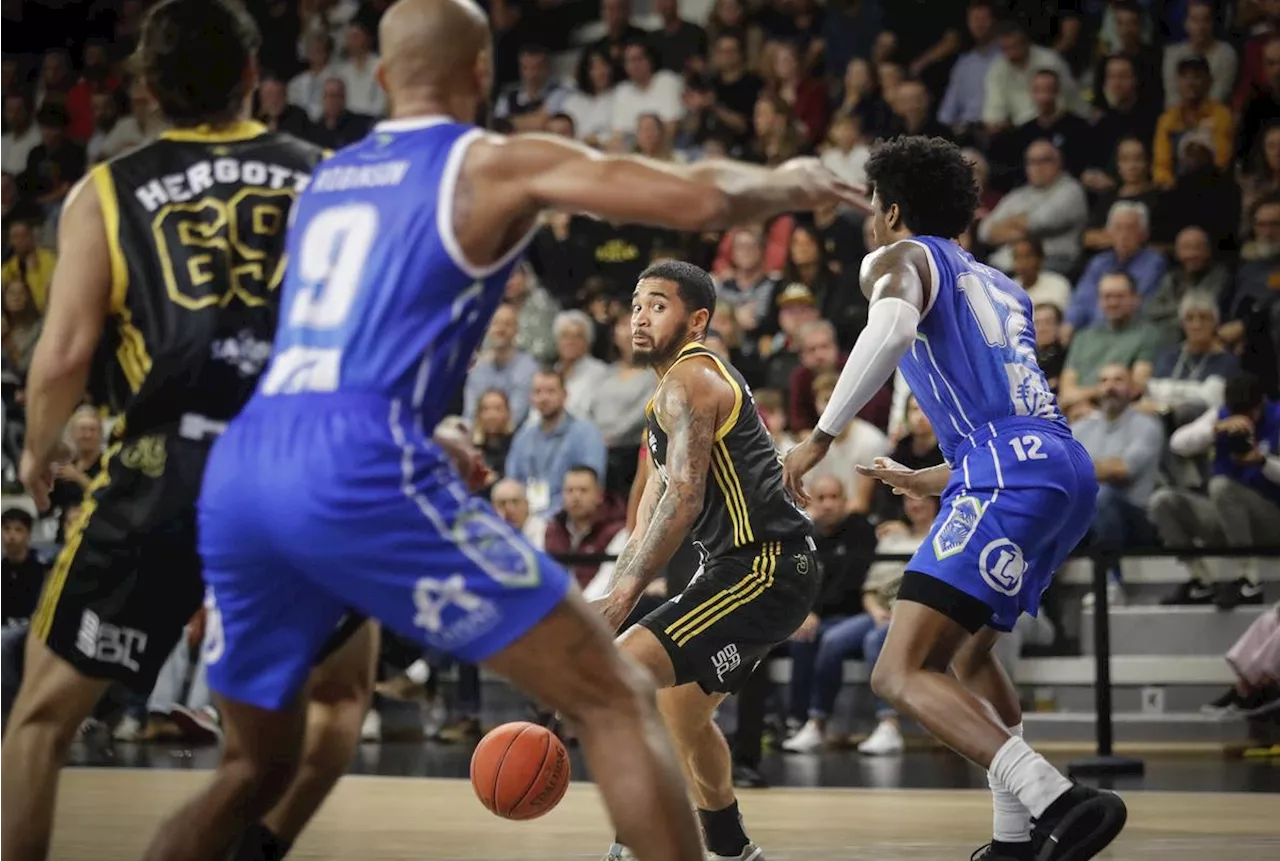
(1027, 447)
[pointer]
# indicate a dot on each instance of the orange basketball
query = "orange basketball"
(520, 770)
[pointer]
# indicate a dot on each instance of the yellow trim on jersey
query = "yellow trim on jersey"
(46, 609)
(735, 485)
(237, 131)
(726, 601)
(728, 424)
(132, 354)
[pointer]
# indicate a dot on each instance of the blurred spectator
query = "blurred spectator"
(911, 114)
(678, 42)
(927, 37)
(55, 165)
(861, 97)
(30, 263)
(796, 307)
(142, 125)
(16, 208)
(619, 32)
(773, 412)
(591, 104)
(804, 95)
(917, 448)
(96, 78)
(859, 443)
(512, 505)
(306, 89)
(732, 17)
(840, 232)
(617, 406)
(1255, 301)
(646, 90)
(1050, 207)
(1123, 113)
(72, 479)
(1195, 111)
(1188, 378)
(275, 112)
(1007, 101)
(1067, 131)
(1133, 169)
(837, 624)
(836, 299)
(735, 88)
(55, 81)
(745, 285)
(1256, 74)
(1050, 354)
(847, 151)
(1042, 286)
(962, 105)
(820, 354)
(1128, 40)
(536, 312)
(364, 95)
(1129, 227)
(743, 352)
(1203, 195)
(1263, 105)
(502, 367)
(22, 326)
(561, 125)
(776, 139)
(1195, 272)
(1201, 42)
(582, 372)
(1255, 661)
(530, 103)
(1121, 337)
(547, 447)
(106, 113)
(338, 126)
(1243, 439)
(849, 30)
(22, 572)
(1262, 173)
(494, 429)
(180, 705)
(1125, 444)
(282, 25)
(589, 523)
(21, 135)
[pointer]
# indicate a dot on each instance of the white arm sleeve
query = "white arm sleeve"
(891, 328)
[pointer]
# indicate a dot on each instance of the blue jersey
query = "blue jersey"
(974, 358)
(377, 296)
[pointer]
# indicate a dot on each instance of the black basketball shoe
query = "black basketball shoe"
(1079, 824)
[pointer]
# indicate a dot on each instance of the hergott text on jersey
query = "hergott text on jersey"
(203, 175)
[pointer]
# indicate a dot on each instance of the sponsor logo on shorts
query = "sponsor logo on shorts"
(1002, 566)
(146, 454)
(802, 563)
(493, 545)
(961, 523)
(247, 354)
(110, 644)
(215, 642)
(450, 614)
(726, 661)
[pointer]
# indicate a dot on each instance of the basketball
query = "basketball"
(520, 770)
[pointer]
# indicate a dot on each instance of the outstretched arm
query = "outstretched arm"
(689, 404)
(79, 299)
(506, 182)
(896, 280)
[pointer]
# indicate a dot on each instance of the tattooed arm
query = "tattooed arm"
(690, 405)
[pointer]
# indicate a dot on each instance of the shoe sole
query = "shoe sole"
(1086, 830)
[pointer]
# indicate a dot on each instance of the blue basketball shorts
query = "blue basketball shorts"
(1022, 496)
(316, 505)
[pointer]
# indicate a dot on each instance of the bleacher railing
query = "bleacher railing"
(1105, 762)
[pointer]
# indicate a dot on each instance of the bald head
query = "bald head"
(435, 47)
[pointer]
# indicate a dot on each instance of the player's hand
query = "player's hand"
(822, 188)
(1236, 424)
(453, 436)
(37, 477)
(797, 464)
(905, 482)
(615, 607)
(808, 629)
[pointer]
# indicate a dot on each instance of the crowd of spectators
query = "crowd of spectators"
(1128, 155)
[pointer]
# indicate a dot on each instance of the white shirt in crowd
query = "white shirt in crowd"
(580, 385)
(1008, 97)
(1050, 289)
(306, 90)
(364, 95)
(592, 115)
(850, 166)
(15, 150)
(861, 443)
(661, 97)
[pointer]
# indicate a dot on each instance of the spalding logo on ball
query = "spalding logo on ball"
(520, 770)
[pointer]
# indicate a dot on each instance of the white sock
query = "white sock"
(1011, 822)
(418, 672)
(1028, 775)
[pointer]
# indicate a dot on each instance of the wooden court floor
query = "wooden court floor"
(110, 813)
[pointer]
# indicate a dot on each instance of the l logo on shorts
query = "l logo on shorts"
(1002, 566)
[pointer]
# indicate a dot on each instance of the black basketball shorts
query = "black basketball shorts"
(735, 610)
(128, 579)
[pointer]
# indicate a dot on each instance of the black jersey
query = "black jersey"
(196, 225)
(746, 502)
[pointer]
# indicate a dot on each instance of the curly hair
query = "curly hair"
(929, 179)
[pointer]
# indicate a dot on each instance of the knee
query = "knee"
(886, 682)
(1222, 489)
(258, 783)
(622, 686)
(1162, 501)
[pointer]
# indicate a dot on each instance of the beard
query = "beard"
(658, 353)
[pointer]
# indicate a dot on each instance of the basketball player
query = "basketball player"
(169, 259)
(327, 491)
(1018, 493)
(719, 480)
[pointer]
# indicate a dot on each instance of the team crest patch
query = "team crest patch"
(1003, 566)
(955, 532)
(494, 546)
(146, 454)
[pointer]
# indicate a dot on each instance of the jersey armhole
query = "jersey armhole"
(104, 183)
(933, 276)
(444, 213)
